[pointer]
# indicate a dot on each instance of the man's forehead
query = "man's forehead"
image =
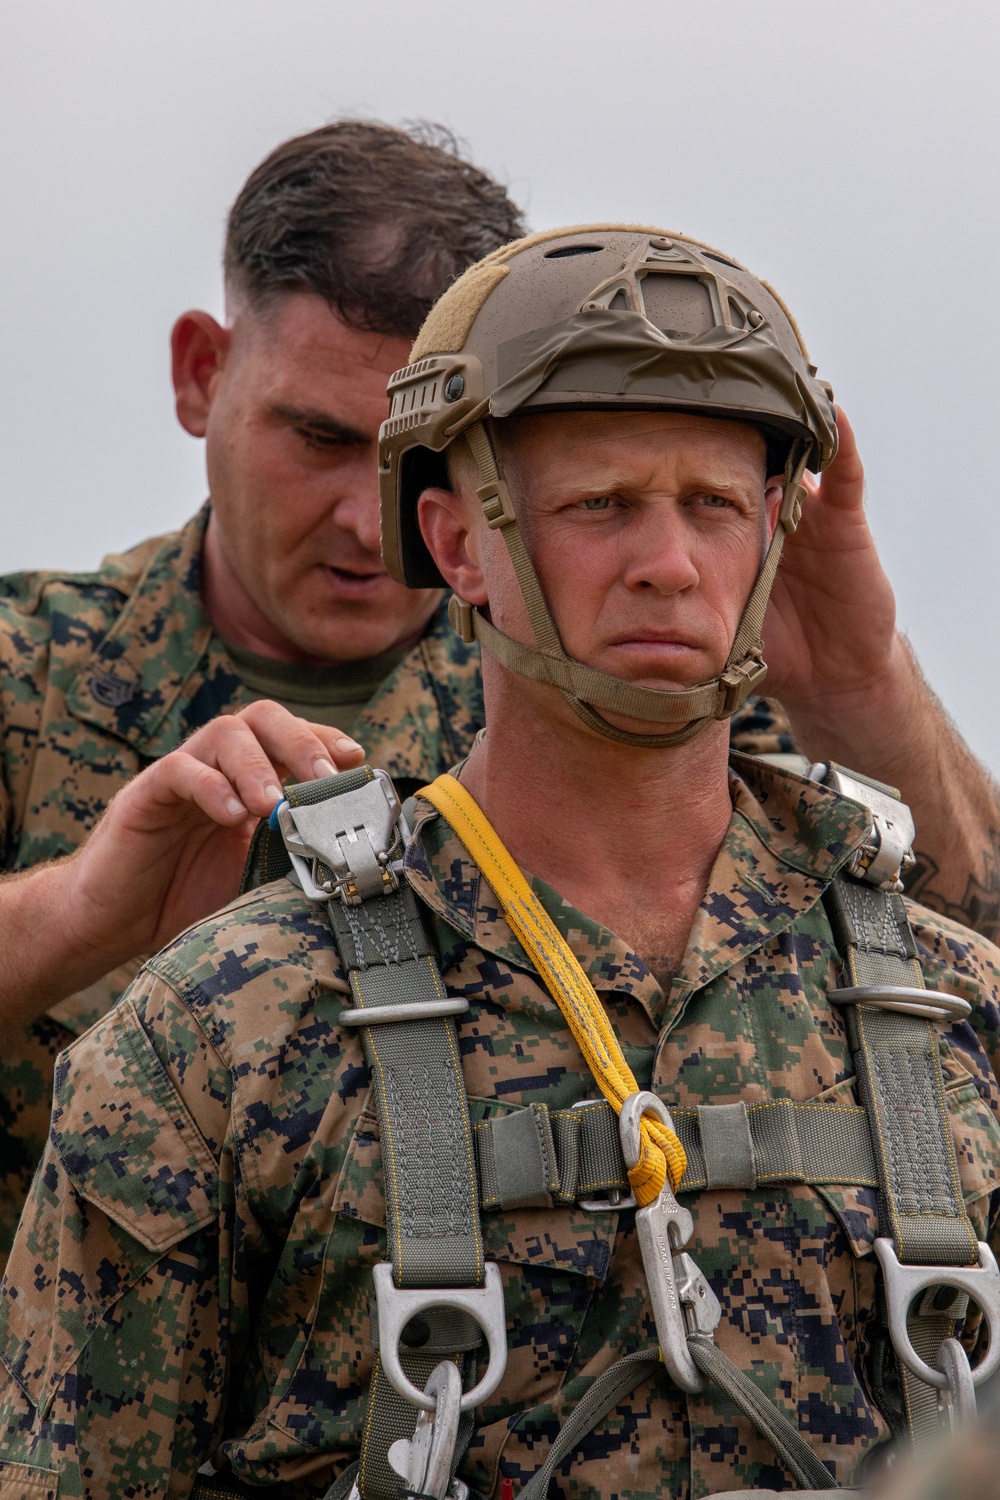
(303, 327)
(615, 440)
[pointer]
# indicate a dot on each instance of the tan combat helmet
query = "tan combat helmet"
(606, 317)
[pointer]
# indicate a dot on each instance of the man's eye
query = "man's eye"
(598, 502)
(717, 502)
(324, 441)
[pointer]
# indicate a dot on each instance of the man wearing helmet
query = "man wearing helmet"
(625, 1169)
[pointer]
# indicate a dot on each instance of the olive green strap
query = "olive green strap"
(899, 1075)
(615, 1383)
(431, 1190)
(605, 1393)
(898, 1066)
(534, 1157)
(772, 1424)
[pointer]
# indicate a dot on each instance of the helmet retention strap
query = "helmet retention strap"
(585, 689)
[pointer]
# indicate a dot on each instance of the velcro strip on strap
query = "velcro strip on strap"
(898, 1066)
(432, 1192)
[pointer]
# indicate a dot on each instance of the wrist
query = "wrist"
(875, 726)
(45, 958)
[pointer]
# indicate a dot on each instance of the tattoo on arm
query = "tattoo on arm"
(979, 907)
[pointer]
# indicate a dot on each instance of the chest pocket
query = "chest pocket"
(552, 1261)
(127, 1146)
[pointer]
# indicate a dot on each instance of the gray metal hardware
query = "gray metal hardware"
(960, 1392)
(904, 1283)
(356, 836)
(616, 1201)
(888, 849)
(929, 1005)
(425, 1461)
(419, 1010)
(682, 1300)
(397, 1305)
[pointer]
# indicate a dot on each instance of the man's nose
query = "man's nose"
(662, 555)
(357, 510)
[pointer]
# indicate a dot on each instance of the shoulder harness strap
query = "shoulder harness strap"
(931, 1247)
(345, 838)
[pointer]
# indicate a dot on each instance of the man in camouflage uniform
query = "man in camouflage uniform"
(103, 674)
(192, 1283)
(276, 590)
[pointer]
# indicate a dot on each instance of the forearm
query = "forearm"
(41, 960)
(898, 732)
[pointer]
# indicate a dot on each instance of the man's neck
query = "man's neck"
(235, 614)
(628, 836)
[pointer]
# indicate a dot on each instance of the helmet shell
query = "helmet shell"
(605, 318)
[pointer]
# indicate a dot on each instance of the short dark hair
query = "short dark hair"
(376, 220)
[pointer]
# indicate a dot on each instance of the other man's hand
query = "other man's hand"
(168, 851)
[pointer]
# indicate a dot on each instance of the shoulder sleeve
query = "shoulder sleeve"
(24, 655)
(963, 963)
(112, 1299)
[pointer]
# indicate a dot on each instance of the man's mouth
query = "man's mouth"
(354, 583)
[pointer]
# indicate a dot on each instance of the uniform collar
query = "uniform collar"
(161, 671)
(786, 840)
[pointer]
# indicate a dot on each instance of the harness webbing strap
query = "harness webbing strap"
(431, 1190)
(536, 1157)
(898, 1067)
(623, 1376)
(900, 1081)
(564, 978)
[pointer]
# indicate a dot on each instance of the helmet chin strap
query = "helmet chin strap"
(586, 689)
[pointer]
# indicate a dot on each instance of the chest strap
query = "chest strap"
(537, 1158)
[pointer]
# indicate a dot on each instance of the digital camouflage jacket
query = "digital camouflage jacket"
(192, 1275)
(102, 673)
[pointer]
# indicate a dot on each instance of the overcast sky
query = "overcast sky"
(847, 153)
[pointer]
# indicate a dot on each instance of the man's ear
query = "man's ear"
(199, 347)
(444, 523)
(774, 488)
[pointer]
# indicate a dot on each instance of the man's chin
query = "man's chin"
(340, 631)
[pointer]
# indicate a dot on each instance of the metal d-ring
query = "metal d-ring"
(397, 1305)
(903, 1283)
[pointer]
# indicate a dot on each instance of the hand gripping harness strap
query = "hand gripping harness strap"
(431, 1191)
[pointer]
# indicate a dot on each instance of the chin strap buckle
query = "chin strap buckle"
(739, 681)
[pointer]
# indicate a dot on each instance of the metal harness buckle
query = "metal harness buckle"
(397, 1305)
(903, 1283)
(888, 849)
(426, 1459)
(682, 1299)
(357, 837)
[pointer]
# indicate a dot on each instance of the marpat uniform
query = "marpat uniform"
(101, 673)
(404, 1176)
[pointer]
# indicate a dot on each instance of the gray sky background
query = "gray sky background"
(847, 153)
